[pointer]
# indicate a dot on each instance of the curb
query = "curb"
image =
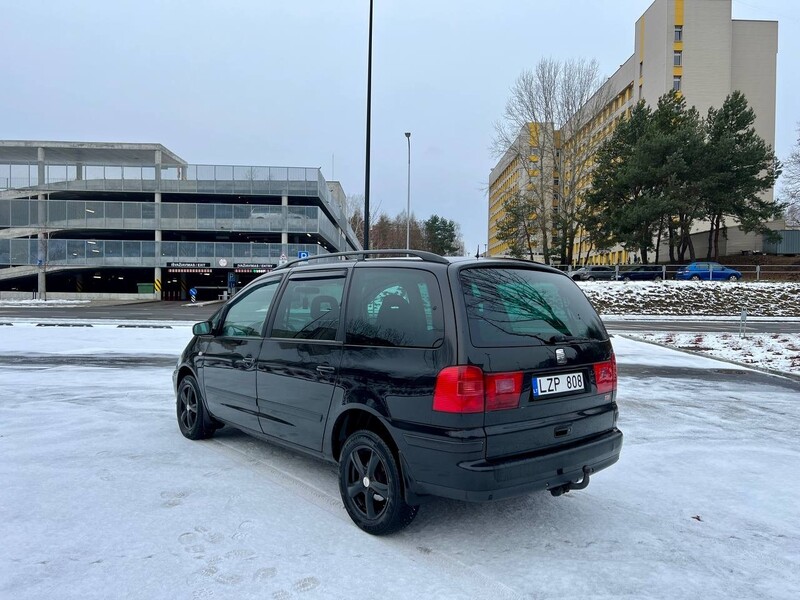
(772, 372)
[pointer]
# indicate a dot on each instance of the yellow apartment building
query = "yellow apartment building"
(692, 46)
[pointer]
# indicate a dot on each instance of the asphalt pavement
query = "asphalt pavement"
(707, 326)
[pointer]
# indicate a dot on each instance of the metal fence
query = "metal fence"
(91, 214)
(189, 179)
(750, 272)
(106, 253)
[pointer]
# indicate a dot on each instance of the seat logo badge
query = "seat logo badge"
(561, 357)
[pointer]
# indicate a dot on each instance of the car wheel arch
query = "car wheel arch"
(185, 371)
(355, 418)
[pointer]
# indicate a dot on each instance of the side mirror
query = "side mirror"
(203, 328)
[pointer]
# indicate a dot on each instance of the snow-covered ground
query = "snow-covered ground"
(705, 301)
(771, 351)
(693, 298)
(101, 496)
(42, 303)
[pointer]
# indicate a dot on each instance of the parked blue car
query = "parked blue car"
(706, 271)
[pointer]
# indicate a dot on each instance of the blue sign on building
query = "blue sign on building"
(302, 254)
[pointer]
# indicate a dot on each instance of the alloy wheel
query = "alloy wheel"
(187, 406)
(367, 482)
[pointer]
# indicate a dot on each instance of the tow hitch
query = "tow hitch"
(563, 489)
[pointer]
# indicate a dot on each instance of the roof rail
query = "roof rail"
(363, 254)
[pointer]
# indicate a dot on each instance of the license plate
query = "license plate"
(562, 383)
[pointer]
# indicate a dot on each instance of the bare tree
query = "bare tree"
(581, 98)
(354, 213)
(790, 185)
(546, 132)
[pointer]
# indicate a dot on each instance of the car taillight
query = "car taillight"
(502, 390)
(468, 390)
(605, 375)
(459, 390)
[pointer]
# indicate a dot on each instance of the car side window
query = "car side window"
(394, 307)
(309, 308)
(246, 317)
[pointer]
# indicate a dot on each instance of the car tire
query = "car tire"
(371, 485)
(590, 278)
(626, 279)
(191, 411)
(695, 277)
(733, 278)
(658, 278)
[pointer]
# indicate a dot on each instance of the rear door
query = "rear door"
(299, 360)
(396, 344)
(538, 341)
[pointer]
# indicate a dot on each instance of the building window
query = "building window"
(677, 58)
(555, 181)
(641, 68)
(640, 92)
(678, 33)
(676, 83)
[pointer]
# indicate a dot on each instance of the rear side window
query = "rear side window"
(394, 307)
(309, 308)
(521, 307)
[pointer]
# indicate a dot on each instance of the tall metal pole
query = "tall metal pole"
(408, 198)
(369, 113)
(41, 244)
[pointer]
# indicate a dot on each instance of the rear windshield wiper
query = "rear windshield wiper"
(561, 338)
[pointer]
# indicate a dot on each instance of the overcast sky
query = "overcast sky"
(283, 83)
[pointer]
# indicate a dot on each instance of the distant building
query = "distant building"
(136, 218)
(692, 46)
(521, 170)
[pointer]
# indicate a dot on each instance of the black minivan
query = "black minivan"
(473, 379)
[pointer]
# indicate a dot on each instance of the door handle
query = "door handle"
(325, 370)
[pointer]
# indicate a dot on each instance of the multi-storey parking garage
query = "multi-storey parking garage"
(136, 218)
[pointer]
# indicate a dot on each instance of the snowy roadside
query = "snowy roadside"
(695, 298)
(768, 351)
(709, 301)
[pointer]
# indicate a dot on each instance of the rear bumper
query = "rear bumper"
(463, 476)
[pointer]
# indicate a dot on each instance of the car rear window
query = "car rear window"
(524, 307)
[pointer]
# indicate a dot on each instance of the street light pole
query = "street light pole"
(369, 114)
(408, 197)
